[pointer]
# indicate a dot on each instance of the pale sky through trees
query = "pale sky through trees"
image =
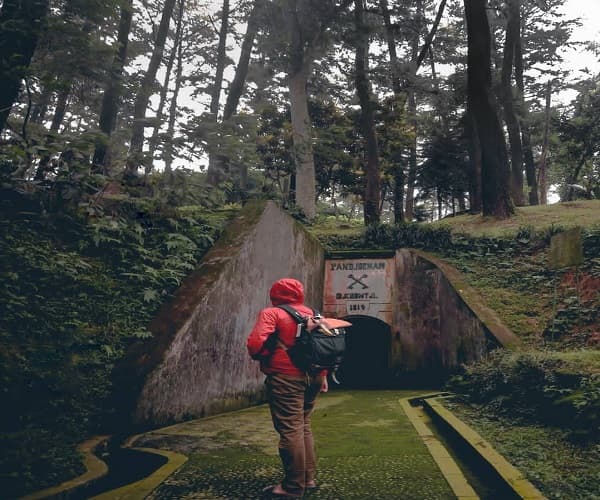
(575, 59)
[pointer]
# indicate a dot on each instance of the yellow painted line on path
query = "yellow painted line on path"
(510, 475)
(95, 469)
(450, 470)
(142, 488)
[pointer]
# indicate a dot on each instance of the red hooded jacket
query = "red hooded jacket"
(285, 291)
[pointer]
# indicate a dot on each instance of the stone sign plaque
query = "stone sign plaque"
(566, 249)
(358, 287)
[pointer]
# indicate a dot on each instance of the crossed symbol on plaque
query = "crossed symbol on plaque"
(357, 281)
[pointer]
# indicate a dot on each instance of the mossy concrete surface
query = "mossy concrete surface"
(366, 445)
(450, 469)
(197, 363)
(471, 298)
(439, 322)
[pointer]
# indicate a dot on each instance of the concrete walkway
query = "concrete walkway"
(367, 449)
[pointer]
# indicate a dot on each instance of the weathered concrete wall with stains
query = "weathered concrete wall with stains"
(198, 362)
(439, 322)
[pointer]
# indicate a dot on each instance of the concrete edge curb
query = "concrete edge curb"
(95, 469)
(450, 470)
(509, 474)
(142, 488)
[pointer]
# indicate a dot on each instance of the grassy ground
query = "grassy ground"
(367, 448)
(584, 213)
(508, 262)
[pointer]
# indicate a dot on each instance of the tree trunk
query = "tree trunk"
(397, 88)
(523, 122)
(512, 123)
(412, 119)
(299, 69)
(221, 55)
(437, 98)
(530, 173)
(302, 144)
(431, 34)
(237, 87)
(168, 151)
(40, 108)
(215, 172)
(398, 195)
(475, 202)
(574, 175)
(21, 23)
(60, 110)
(391, 43)
(143, 97)
(495, 172)
(543, 168)
(412, 156)
(112, 93)
(165, 87)
(367, 119)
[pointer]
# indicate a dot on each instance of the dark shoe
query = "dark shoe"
(276, 491)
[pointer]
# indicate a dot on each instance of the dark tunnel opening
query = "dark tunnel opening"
(366, 363)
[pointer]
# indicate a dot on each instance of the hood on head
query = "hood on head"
(286, 291)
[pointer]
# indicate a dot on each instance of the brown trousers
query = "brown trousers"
(292, 400)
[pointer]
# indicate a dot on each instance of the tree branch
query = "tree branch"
(430, 35)
(212, 22)
(28, 112)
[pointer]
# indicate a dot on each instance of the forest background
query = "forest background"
(364, 109)
(129, 135)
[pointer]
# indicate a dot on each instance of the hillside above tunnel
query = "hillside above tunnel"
(508, 262)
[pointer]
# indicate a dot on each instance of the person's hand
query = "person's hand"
(324, 384)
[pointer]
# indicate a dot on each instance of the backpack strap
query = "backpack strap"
(295, 314)
(300, 320)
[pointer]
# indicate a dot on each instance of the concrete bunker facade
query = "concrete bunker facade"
(414, 321)
(432, 328)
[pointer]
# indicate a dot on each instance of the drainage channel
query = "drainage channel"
(480, 476)
(125, 466)
(484, 472)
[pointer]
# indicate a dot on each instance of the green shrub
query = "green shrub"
(545, 387)
(76, 292)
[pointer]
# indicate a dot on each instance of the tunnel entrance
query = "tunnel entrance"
(367, 361)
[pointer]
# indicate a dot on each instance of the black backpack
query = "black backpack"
(319, 349)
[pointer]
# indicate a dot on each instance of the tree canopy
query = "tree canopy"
(385, 103)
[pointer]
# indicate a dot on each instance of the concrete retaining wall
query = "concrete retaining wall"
(197, 363)
(439, 322)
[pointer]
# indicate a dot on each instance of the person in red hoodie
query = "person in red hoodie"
(290, 391)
